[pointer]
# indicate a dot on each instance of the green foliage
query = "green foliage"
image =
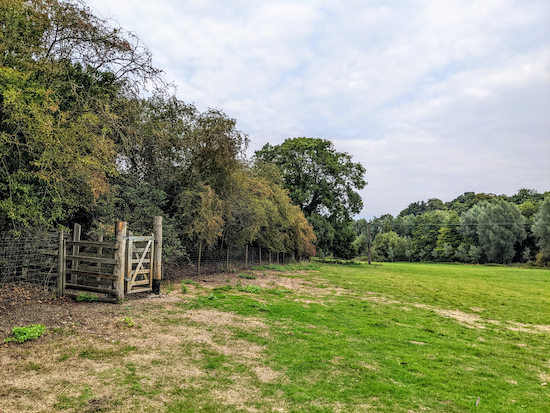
(74, 402)
(389, 246)
(541, 225)
(253, 289)
(426, 230)
(323, 182)
(22, 334)
(320, 179)
(495, 227)
(66, 76)
(192, 282)
(343, 246)
(225, 287)
(86, 296)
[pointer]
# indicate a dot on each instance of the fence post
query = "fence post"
(260, 256)
(76, 250)
(120, 253)
(227, 259)
(61, 266)
(157, 272)
(199, 263)
(246, 257)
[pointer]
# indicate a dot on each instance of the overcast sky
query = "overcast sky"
(434, 98)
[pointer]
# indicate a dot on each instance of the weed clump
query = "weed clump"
(254, 289)
(22, 334)
(225, 287)
(86, 296)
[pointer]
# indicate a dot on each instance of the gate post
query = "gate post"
(61, 266)
(157, 261)
(120, 253)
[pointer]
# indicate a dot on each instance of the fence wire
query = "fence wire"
(29, 258)
(227, 258)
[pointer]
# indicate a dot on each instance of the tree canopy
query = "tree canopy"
(324, 183)
(320, 179)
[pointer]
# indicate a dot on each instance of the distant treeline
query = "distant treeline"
(472, 228)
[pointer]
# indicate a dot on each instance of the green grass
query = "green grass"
(351, 338)
(379, 339)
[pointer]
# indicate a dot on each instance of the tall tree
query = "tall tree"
(541, 230)
(64, 73)
(320, 179)
(324, 183)
(495, 226)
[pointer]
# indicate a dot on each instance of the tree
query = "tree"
(495, 226)
(65, 73)
(320, 180)
(448, 251)
(448, 234)
(541, 225)
(541, 230)
(462, 252)
(414, 208)
(426, 230)
(324, 183)
(390, 246)
(475, 254)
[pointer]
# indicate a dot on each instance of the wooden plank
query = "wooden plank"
(142, 282)
(138, 250)
(157, 267)
(95, 255)
(120, 256)
(61, 265)
(140, 239)
(92, 274)
(139, 290)
(90, 288)
(142, 271)
(96, 244)
(129, 255)
(145, 261)
(76, 249)
(80, 258)
(95, 268)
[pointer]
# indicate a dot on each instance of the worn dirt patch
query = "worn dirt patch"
(381, 300)
(90, 348)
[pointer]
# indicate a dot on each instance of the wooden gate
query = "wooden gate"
(128, 265)
(139, 264)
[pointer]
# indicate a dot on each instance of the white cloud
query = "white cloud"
(434, 97)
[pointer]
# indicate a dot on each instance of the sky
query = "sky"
(434, 98)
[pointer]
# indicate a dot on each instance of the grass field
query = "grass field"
(320, 338)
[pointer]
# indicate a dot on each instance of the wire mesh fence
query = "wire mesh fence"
(33, 258)
(29, 258)
(226, 258)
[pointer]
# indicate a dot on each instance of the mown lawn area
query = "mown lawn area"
(395, 337)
